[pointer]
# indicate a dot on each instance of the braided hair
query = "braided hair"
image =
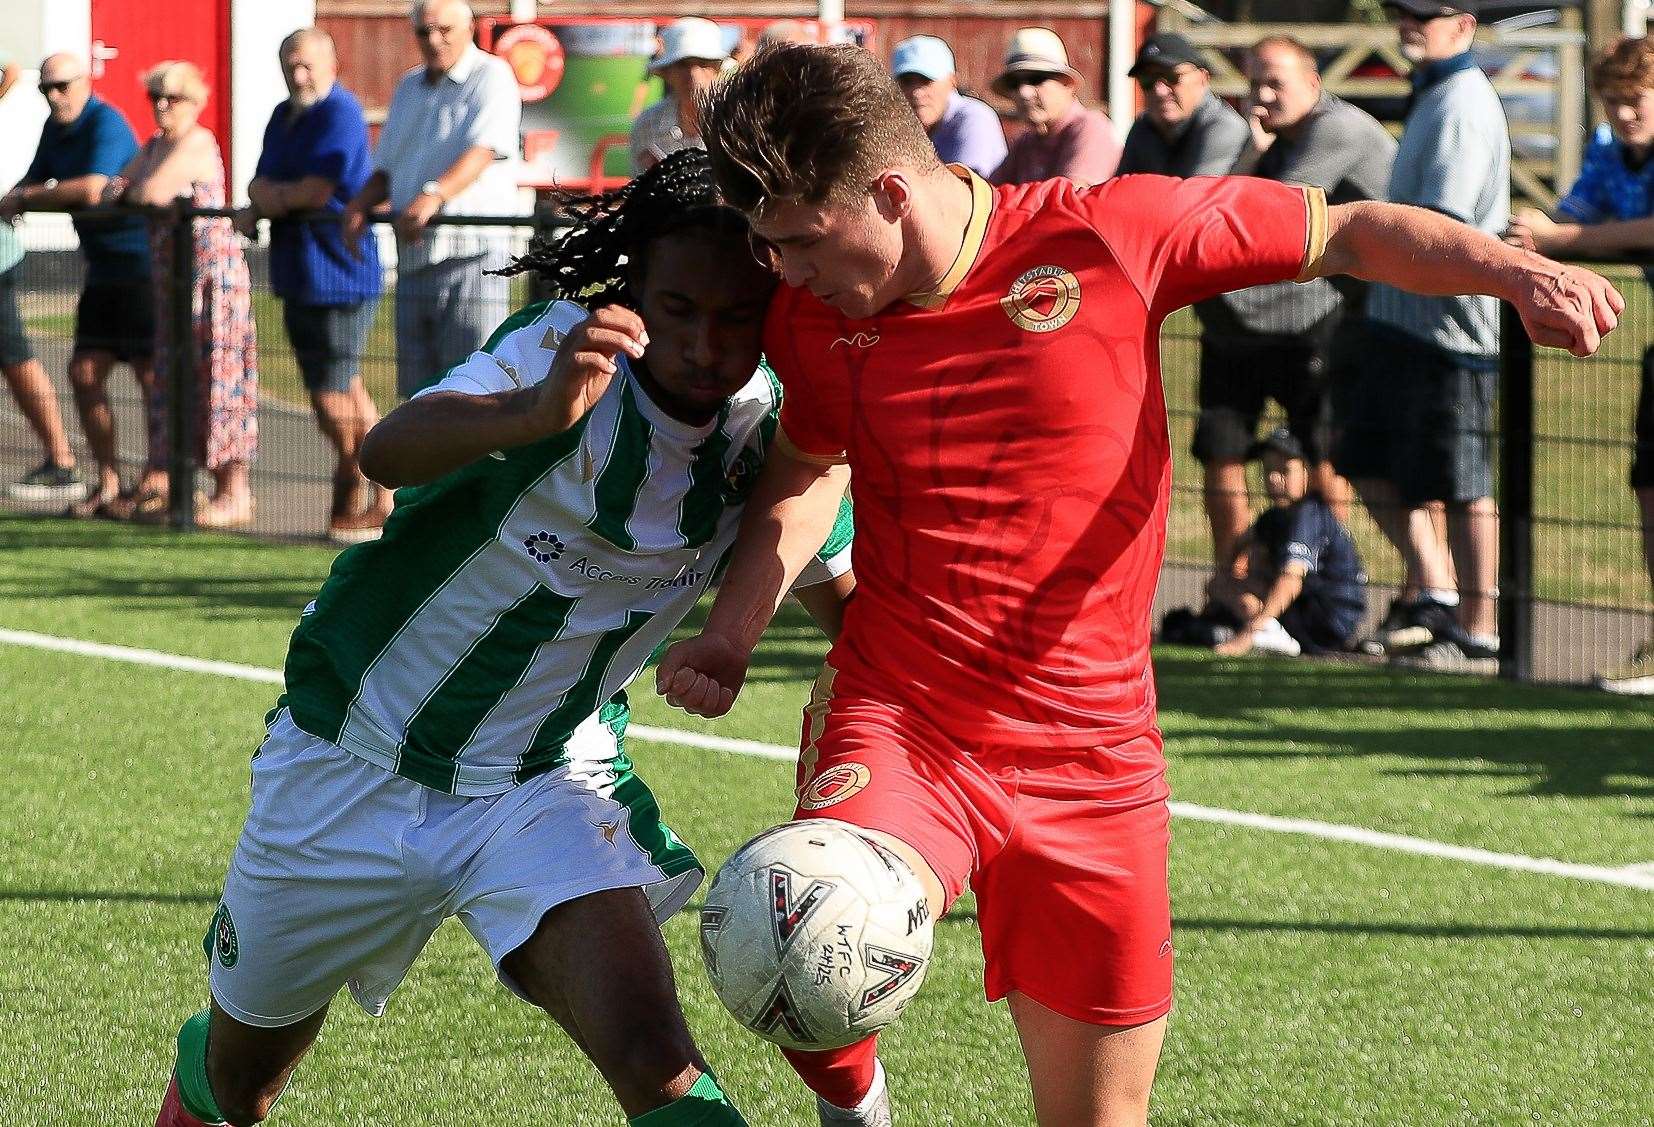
(589, 262)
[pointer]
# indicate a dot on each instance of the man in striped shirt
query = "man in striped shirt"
(451, 741)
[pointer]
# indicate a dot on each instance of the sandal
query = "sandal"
(146, 505)
(95, 504)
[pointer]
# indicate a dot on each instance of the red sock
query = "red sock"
(842, 1077)
(172, 1110)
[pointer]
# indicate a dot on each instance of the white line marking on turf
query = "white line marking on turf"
(141, 657)
(1640, 876)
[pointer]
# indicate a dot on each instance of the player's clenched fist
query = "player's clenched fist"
(1570, 308)
(702, 675)
(585, 365)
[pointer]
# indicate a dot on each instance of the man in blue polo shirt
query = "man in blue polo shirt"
(316, 158)
(1610, 210)
(84, 143)
(964, 130)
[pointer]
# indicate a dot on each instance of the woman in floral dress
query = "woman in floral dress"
(182, 161)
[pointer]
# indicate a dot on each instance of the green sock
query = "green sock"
(194, 1090)
(704, 1105)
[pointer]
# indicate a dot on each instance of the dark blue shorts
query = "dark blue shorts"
(1407, 412)
(328, 341)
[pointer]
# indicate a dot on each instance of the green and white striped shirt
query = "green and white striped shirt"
(509, 603)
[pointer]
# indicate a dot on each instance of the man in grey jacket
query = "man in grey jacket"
(1415, 417)
(1272, 342)
(1184, 129)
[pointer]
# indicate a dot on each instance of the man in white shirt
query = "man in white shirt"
(450, 145)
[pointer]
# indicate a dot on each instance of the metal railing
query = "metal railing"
(1573, 589)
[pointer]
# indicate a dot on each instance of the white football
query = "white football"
(815, 935)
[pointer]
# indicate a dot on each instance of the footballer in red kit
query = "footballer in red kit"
(1007, 437)
(984, 362)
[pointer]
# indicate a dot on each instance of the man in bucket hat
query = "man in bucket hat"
(1062, 138)
(692, 55)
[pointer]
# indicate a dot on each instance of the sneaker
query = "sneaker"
(1449, 655)
(1273, 639)
(1634, 678)
(1412, 625)
(48, 482)
(874, 1110)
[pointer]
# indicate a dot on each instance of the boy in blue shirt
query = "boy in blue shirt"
(1293, 583)
(1610, 210)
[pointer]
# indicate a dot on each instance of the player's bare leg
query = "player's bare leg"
(1087, 1075)
(849, 1083)
(599, 967)
(231, 1072)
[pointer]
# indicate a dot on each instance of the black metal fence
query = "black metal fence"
(1574, 594)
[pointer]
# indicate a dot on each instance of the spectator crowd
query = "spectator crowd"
(1385, 396)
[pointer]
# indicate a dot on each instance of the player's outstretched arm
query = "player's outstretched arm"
(1414, 249)
(437, 433)
(789, 516)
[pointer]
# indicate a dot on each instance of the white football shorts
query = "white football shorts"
(344, 870)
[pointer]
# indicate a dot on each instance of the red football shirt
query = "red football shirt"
(1008, 451)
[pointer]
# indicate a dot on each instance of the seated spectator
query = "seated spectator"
(182, 162)
(1610, 210)
(964, 130)
(316, 158)
(1294, 584)
(692, 56)
(1062, 137)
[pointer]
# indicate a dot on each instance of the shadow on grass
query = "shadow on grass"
(132, 567)
(1448, 726)
(101, 896)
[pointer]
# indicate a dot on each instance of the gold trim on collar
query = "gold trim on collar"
(982, 206)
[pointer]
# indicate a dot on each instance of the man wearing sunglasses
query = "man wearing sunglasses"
(1184, 129)
(1063, 137)
(84, 143)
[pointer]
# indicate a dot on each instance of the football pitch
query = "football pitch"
(1320, 981)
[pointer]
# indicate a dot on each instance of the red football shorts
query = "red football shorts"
(1070, 888)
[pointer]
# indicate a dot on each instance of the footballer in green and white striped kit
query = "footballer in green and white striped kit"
(452, 737)
(488, 636)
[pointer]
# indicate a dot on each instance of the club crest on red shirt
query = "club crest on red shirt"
(1043, 299)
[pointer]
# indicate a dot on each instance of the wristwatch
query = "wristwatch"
(432, 188)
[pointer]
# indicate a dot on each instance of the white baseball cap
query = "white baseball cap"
(689, 38)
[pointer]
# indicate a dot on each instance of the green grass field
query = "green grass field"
(1319, 982)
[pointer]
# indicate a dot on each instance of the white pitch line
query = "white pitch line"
(1629, 876)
